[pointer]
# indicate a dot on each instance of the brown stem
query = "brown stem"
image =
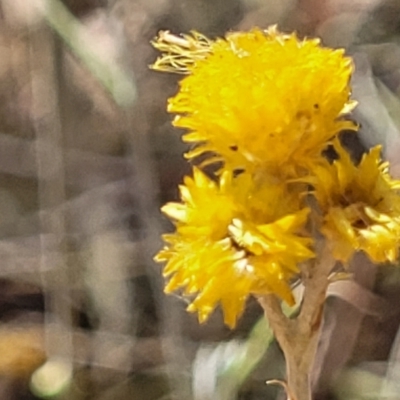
(298, 337)
(298, 348)
(315, 281)
(299, 356)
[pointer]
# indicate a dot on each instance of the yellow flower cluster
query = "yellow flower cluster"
(261, 99)
(262, 107)
(233, 238)
(360, 206)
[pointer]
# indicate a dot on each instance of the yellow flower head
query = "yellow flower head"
(233, 238)
(361, 206)
(258, 100)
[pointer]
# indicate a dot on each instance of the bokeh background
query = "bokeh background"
(88, 155)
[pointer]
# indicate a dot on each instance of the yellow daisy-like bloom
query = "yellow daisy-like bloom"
(233, 238)
(260, 100)
(361, 206)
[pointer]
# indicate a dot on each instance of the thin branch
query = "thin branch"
(279, 322)
(315, 287)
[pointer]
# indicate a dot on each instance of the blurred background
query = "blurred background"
(88, 155)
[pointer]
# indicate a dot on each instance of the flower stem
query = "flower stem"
(298, 337)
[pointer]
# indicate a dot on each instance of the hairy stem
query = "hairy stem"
(298, 337)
